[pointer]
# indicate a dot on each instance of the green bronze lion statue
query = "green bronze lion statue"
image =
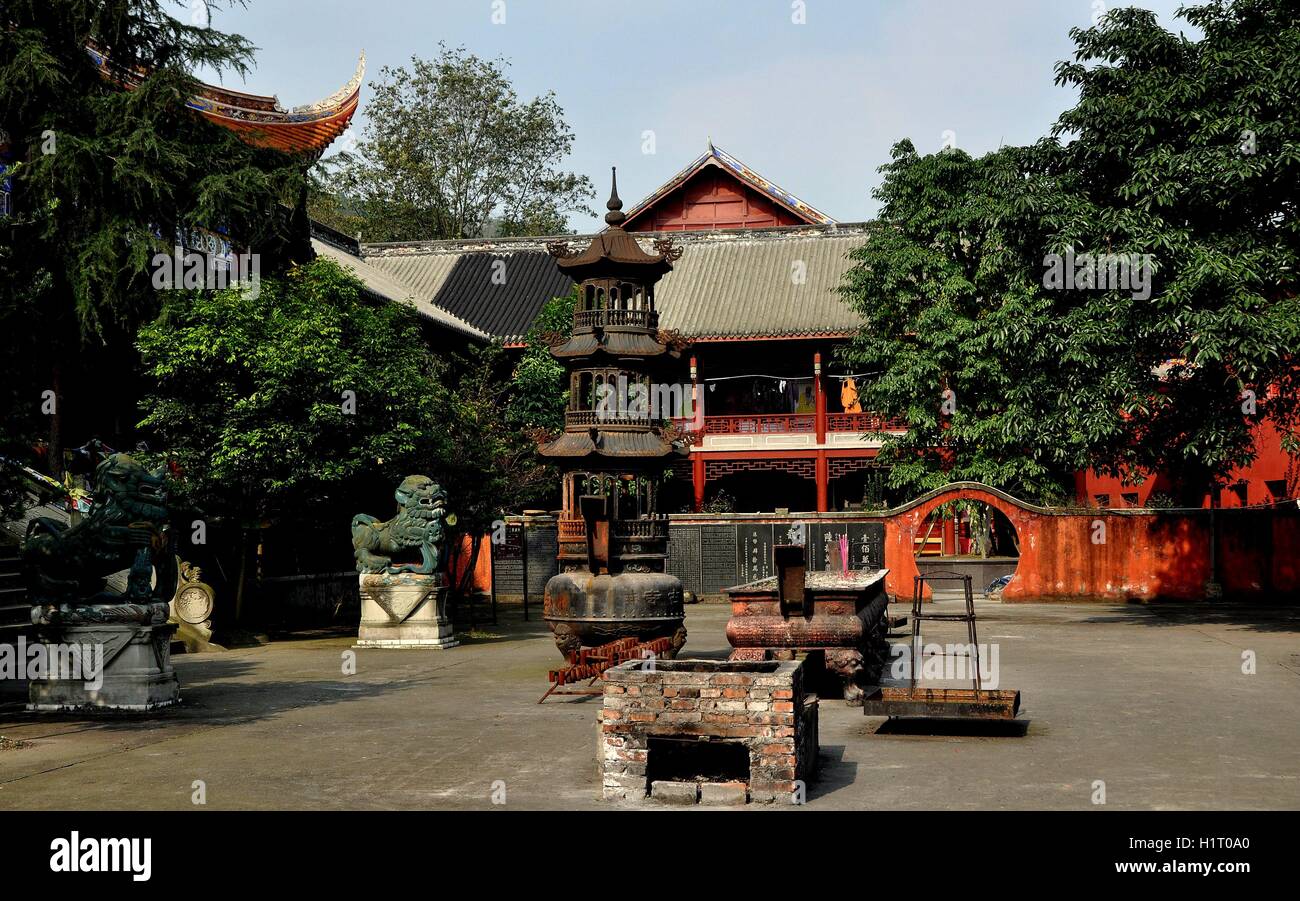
(420, 522)
(126, 529)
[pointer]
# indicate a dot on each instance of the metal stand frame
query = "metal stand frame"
(942, 703)
(918, 591)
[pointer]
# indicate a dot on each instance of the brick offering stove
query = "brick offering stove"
(682, 731)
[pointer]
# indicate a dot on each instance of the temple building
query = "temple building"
(752, 294)
(778, 423)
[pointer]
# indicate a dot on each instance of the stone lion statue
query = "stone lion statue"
(126, 529)
(420, 522)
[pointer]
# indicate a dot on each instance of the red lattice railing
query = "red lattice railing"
(863, 422)
(786, 423)
(760, 424)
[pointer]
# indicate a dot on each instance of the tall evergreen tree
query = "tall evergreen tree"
(105, 177)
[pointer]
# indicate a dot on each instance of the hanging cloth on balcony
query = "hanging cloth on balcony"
(849, 397)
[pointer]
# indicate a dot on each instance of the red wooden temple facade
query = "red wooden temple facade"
(769, 414)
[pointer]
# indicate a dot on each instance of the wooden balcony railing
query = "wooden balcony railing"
(788, 423)
(863, 422)
(760, 424)
(589, 319)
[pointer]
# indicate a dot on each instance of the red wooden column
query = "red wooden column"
(820, 398)
(822, 470)
(949, 535)
(698, 474)
(697, 478)
(822, 467)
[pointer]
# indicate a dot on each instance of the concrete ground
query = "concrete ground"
(1152, 701)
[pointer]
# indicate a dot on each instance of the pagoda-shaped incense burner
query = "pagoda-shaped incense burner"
(614, 451)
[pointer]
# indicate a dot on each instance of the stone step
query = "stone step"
(9, 632)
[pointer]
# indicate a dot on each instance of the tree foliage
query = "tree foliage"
(271, 401)
(538, 393)
(1186, 151)
(450, 150)
(103, 179)
(106, 177)
(493, 460)
(955, 339)
(1189, 151)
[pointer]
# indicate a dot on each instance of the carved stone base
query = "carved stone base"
(405, 610)
(137, 669)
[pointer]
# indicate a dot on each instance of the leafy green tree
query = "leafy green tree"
(1180, 154)
(449, 151)
(538, 394)
(491, 459)
(270, 401)
(294, 405)
(956, 331)
(303, 402)
(104, 178)
(1188, 151)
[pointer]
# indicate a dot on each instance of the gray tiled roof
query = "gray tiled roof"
(776, 282)
(383, 284)
(751, 286)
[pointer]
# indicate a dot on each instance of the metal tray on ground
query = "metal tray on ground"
(941, 703)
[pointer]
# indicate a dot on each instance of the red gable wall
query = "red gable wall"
(711, 199)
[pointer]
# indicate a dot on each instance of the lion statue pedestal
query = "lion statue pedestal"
(404, 610)
(105, 650)
(124, 667)
(404, 605)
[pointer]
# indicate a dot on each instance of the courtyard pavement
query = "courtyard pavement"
(1152, 701)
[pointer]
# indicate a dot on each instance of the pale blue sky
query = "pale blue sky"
(814, 107)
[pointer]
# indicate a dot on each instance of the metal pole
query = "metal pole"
(470, 593)
(523, 542)
(492, 577)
